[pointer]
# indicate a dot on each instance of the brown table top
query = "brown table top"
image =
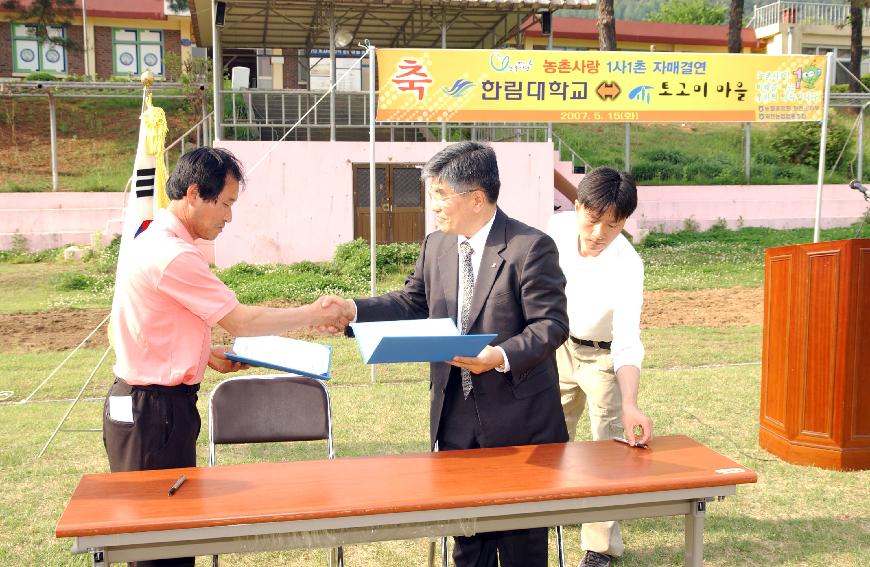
(302, 490)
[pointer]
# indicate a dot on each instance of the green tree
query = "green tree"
(691, 12)
(178, 5)
(42, 14)
(856, 19)
(606, 26)
(735, 26)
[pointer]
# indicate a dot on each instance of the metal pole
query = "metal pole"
(549, 47)
(85, 37)
(204, 103)
(748, 158)
(217, 76)
(372, 177)
(52, 114)
(627, 162)
(829, 73)
(332, 76)
(443, 46)
(861, 143)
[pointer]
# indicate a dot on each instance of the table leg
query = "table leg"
(695, 534)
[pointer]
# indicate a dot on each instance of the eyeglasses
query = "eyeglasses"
(440, 198)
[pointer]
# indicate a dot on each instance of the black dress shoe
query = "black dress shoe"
(595, 559)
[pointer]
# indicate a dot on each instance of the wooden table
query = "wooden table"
(268, 506)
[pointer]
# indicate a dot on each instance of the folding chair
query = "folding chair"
(270, 408)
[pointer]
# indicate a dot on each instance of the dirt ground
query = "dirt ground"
(64, 330)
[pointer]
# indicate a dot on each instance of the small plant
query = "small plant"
(691, 225)
(19, 244)
(41, 76)
(798, 142)
(720, 224)
(71, 281)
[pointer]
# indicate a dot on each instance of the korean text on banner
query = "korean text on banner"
(451, 85)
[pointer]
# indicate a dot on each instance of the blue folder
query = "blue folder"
(422, 340)
(280, 353)
(260, 363)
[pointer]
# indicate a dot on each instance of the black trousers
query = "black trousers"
(162, 435)
(460, 429)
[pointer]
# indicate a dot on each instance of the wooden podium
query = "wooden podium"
(815, 374)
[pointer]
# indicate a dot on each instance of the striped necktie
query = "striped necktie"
(467, 289)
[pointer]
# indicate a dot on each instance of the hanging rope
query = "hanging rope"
(59, 366)
(75, 401)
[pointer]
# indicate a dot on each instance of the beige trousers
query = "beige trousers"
(587, 380)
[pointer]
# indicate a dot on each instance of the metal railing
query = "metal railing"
(268, 114)
(805, 13)
(196, 136)
(577, 160)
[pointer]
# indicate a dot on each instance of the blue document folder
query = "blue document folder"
(418, 340)
(280, 353)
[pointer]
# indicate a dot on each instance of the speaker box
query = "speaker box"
(546, 22)
(220, 13)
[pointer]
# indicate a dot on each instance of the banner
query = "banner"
(455, 85)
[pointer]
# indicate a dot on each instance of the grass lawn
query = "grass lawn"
(794, 516)
(698, 381)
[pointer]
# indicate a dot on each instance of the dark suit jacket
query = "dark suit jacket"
(519, 294)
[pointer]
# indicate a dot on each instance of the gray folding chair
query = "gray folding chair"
(270, 408)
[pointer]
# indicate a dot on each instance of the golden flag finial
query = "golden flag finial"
(147, 79)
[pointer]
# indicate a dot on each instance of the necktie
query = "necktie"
(466, 277)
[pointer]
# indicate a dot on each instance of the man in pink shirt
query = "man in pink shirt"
(166, 302)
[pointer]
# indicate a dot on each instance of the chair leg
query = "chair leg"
(444, 554)
(431, 562)
(560, 544)
(335, 558)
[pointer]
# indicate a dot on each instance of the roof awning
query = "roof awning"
(304, 24)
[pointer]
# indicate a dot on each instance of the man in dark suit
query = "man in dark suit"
(490, 274)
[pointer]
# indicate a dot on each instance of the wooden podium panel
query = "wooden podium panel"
(815, 377)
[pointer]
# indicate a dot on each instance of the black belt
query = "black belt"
(178, 389)
(603, 345)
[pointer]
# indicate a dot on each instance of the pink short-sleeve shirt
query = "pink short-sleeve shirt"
(166, 302)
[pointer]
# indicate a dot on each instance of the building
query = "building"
(123, 39)
(582, 34)
(810, 28)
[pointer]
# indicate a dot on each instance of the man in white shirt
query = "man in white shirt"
(599, 364)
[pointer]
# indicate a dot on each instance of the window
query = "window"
(841, 56)
(30, 55)
(136, 51)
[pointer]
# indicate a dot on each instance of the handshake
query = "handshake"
(331, 313)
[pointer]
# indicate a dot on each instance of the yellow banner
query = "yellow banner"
(456, 85)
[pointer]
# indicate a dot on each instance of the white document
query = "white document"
(121, 409)
(377, 330)
(281, 353)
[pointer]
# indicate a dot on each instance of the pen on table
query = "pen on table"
(177, 485)
(629, 443)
